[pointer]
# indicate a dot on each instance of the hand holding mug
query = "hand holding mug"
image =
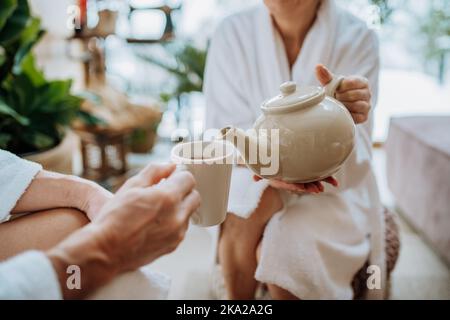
(145, 219)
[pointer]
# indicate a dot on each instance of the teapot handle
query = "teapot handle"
(331, 87)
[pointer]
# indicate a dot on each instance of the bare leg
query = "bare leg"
(39, 231)
(237, 246)
(276, 292)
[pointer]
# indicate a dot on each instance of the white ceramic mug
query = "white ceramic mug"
(210, 162)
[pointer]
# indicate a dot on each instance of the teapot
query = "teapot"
(303, 135)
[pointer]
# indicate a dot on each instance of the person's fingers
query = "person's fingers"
(359, 117)
(293, 187)
(358, 107)
(179, 184)
(319, 185)
(354, 95)
(352, 83)
(323, 74)
(311, 188)
(154, 173)
(279, 184)
(332, 181)
(150, 175)
(189, 204)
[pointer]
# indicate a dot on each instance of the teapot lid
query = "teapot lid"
(293, 98)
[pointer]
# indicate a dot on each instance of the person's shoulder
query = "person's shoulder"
(356, 27)
(237, 21)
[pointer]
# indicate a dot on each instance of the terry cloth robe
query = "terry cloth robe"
(317, 243)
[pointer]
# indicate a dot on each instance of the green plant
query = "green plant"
(385, 9)
(436, 31)
(34, 112)
(187, 65)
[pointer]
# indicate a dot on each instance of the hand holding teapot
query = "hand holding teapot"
(315, 131)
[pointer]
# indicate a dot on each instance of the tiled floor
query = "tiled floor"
(419, 274)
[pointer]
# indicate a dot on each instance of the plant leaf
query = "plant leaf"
(29, 68)
(4, 139)
(2, 56)
(6, 9)
(29, 37)
(8, 111)
(42, 141)
(89, 119)
(15, 23)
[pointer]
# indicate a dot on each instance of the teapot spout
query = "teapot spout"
(232, 134)
(246, 143)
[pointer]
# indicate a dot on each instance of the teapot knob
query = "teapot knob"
(288, 88)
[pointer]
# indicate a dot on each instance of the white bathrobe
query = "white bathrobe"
(317, 243)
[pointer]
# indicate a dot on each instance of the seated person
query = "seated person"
(302, 246)
(144, 220)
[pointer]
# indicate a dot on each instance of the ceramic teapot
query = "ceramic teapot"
(314, 135)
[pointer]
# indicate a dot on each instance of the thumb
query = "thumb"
(323, 74)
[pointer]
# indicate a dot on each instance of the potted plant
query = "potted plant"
(35, 113)
(435, 28)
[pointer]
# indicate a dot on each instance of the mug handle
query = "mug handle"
(331, 87)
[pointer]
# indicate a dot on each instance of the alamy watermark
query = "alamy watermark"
(74, 17)
(374, 280)
(259, 148)
(73, 281)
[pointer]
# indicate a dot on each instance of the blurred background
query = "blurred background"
(136, 74)
(414, 37)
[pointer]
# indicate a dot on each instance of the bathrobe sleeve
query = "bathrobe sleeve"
(227, 104)
(360, 56)
(225, 101)
(16, 175)
(29, 275)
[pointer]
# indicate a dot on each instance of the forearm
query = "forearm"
(50, 190)
(83, 249)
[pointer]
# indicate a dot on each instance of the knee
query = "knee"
(240, 232)
(278, 293)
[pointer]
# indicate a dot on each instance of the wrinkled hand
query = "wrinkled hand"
(146, 218)
(353, 92)
(300, 188)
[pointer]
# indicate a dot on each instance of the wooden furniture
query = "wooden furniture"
(103, 154)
